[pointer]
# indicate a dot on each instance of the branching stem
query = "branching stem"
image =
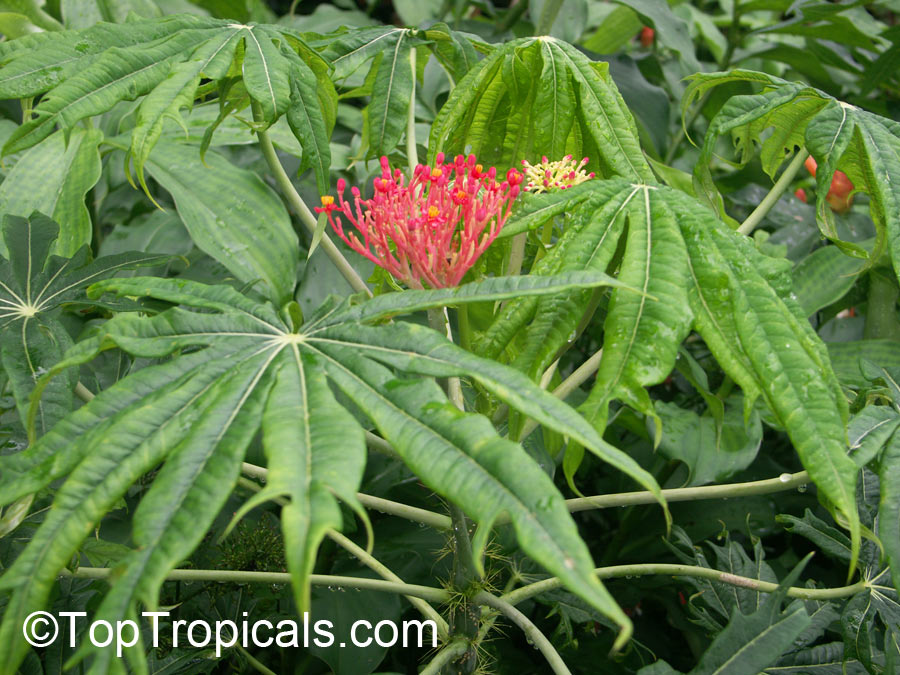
(785, 482)
(365, 557)
(456, 648)
(783, 182)
(430, 518)
(381, 569)
(637, 570)
(532, 632)
(436, 595)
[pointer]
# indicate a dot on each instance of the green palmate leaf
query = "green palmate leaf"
(552, 104)
(318, 452)
(236, 368)
(33, 285)
(858, 629)
(694, 273)
(177, 91)
(53, 178)
(827, 659)
(84, 73)
(307, 120)
(504, 110)
(232, 215)
(758, 631)
(870, 430)
(590, 239)
(348, 51)
(533, 210)
(265, 72)
(750, 643)
(117, 74)
(454, 51)
(390, 79)
(838, 135)
(723, 600)
(37, 62)
(761, 339)
(192, 486)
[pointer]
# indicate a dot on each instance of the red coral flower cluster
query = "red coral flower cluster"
(431, 230)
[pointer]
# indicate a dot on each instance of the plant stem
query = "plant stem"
(567, 386)
(637, 570)
(767, 486)
(381, 569)
(438, 595)
(411, 154)
(516, 254)
(295, 201)
(83, 393)
(260, 667)
(881, 315)
(415, 514)
(531, 631)
(783, 483)
(456, 648)
(378, 444)
(775, 193)
(465, 570)
(548, 16)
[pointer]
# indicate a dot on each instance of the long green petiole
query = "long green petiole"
(298, 206)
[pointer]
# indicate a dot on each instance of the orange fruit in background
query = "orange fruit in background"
(838, 197)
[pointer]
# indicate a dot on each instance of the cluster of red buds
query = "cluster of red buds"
(558, 175)
(432, 229)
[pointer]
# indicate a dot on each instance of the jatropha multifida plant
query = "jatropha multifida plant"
(421, 399)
